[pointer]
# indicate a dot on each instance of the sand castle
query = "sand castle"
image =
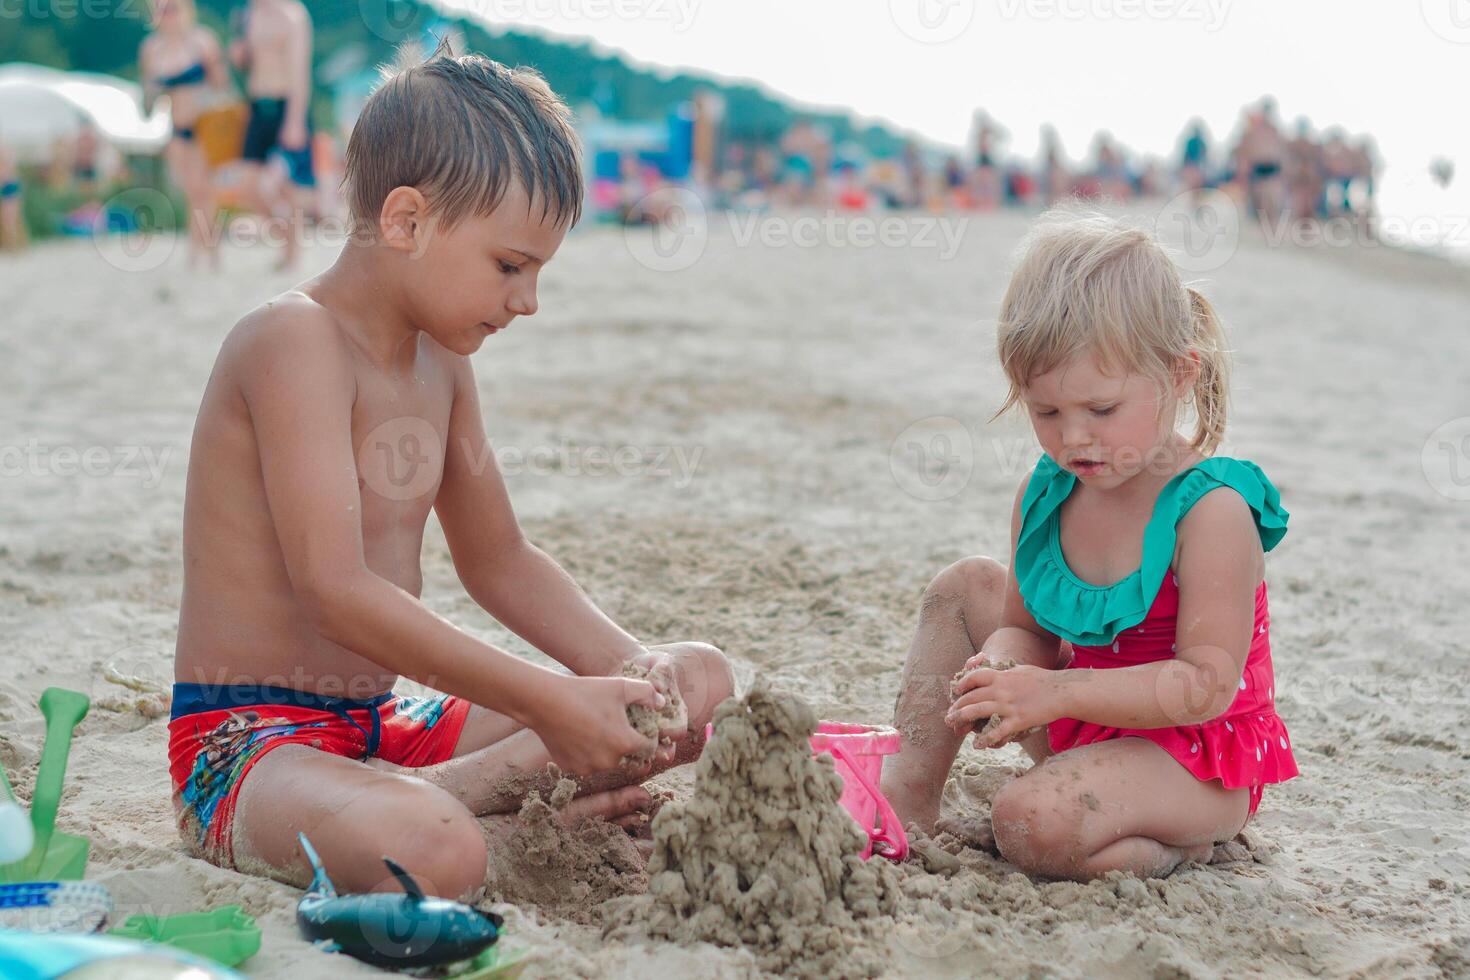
(763, 855)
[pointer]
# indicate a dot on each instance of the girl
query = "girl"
(183, 60)
(1134, 608)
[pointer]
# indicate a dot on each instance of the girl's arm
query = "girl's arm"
(1220, 565)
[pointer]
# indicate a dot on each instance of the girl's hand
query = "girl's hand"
(1019, 699)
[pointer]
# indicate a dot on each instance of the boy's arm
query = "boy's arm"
(295, 376)
(511, 578)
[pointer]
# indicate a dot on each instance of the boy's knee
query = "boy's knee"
(437, 840)
(707, 679)
(977, 575)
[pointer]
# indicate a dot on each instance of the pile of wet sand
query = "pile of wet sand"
(763, 855)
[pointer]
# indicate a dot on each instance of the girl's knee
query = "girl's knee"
(1034, 829)
(968, 577)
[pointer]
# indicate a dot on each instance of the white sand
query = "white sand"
(792, 371)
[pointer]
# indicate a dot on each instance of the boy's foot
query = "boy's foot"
(626, 806)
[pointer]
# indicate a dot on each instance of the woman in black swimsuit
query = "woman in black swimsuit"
(183, 60)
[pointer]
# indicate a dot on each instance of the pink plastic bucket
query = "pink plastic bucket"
(857, 753)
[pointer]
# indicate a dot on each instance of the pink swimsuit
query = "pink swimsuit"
(1246, 746)
(1134, 620)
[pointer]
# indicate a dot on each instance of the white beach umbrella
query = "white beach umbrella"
(39, 104)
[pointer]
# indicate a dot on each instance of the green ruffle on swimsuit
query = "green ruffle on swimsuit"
(1092, 615)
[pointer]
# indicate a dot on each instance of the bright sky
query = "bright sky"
(1140, 68)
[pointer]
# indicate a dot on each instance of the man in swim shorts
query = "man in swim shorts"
(275, 52)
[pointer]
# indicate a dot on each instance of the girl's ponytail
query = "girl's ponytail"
(1212, 388)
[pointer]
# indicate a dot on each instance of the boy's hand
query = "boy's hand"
(673, 726)
(585, 728)
(1019, 699)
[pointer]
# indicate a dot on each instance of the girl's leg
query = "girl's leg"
(959, 611)
(1124, 805)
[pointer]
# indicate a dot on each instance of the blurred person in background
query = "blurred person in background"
(1194, 160)
(182, 60)
(274, 51)
(1260, 159)
(1304, 173)
(12, 221)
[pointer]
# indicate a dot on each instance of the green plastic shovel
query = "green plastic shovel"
(55, 857)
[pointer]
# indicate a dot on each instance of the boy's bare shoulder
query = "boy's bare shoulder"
(290, 332)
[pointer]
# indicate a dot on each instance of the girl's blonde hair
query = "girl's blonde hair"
(1090, 283)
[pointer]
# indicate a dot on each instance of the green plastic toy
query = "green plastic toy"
(226, 935)
(55, 857)
(496, 963)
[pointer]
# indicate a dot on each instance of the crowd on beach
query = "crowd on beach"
(281, 171)
(1306, 175)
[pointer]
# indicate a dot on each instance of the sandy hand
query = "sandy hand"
(588, 731)
(983, 727)
(669, 723)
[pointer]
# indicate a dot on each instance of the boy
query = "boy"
(336, 416)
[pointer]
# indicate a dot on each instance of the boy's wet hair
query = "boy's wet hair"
(460, 129)
(1089, 283)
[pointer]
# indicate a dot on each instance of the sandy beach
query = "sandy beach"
(774, 450)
